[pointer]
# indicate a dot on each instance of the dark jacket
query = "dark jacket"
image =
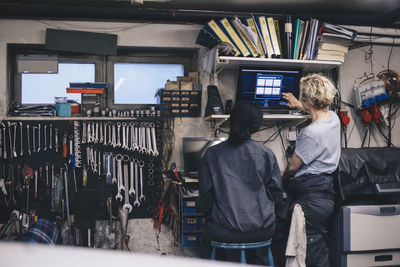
(239, 185)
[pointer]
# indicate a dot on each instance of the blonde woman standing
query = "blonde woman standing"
(309, 172)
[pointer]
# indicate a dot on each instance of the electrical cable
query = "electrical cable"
(68, 26)
(351, 131)
(168, 138)
(271, 138)
(369, 138)
(266, 128)
(283, 146)
(390, 54)
(345, 137)
(370, 49)
(378, 126)
(365, 136)
(394, 121)
(389, 136)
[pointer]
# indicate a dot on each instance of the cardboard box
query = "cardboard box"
(185, 86)
(184, 79)
(194, 77)
(172, 85)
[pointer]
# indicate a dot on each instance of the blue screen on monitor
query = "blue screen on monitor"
(264, 86)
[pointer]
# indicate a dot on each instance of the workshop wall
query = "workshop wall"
(358, 62)
(143, 237)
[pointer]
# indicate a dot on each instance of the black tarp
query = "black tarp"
(361, 168)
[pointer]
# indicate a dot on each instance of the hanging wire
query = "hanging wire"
(369, 138)
(365, 136)
(351, 131)
(390, 54)
(283, 147)
(271, 138)
(384, 137)
(69, 26)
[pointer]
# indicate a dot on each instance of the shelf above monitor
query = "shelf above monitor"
(307, 66)
(265, 117)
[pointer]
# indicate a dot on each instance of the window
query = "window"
(136, 83)
(42, 88)
(135, 77)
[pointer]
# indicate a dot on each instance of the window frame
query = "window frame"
(104, 66)
(186, 58)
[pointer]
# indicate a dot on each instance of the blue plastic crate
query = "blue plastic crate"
(189, 206)
(200, 222)
(190, 241)
(190, 223)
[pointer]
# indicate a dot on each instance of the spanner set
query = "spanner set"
(133, 136)
(46, 163)
(126, 155)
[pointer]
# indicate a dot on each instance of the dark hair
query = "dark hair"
(246, 118)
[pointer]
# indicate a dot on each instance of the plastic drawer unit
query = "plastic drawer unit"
(369, 235)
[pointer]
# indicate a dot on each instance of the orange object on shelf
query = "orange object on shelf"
(75, 108)
(85, 90)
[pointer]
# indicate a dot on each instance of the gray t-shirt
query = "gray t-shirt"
(318, 145)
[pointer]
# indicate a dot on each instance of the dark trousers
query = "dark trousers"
(317, 213)
(214, 232)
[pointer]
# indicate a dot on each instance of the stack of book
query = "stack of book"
(333, 42)
(260, 36)
(252, 37)
(304, 42)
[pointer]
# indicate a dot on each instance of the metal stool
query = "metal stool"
(242, 247)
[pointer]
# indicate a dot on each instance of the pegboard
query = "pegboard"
(99, 190)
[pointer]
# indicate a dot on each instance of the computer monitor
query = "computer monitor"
(194, 149)
(264, 86)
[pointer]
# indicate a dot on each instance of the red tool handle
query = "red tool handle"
(65, 151)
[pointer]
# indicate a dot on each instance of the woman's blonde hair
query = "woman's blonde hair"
(318, 89)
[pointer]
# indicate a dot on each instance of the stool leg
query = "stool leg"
(270, 259)
(213, 254)
(242, 256)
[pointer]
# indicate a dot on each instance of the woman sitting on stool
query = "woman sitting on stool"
(239, 184)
